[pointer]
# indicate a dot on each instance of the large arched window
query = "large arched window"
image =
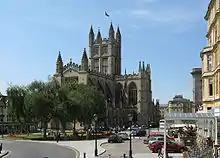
(132, 94)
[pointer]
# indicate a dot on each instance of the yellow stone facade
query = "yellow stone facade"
(210, 57)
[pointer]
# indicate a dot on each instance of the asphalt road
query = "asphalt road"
(37, 150)
(118, 149)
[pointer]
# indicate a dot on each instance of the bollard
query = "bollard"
(124, 156)
(1, 148)
(84, 155)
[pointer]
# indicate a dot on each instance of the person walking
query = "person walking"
(160, 155)
(58, 137)
(185, 154)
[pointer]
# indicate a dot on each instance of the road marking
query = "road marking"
(76, 151)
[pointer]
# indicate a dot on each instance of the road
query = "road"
(118, 149)
(21, 149)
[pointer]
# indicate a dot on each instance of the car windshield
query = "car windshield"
(153, 138)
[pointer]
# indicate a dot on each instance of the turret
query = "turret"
(84, 61)
(118, 35)
(143, 66)
(59, 64)
(139, 67)
(111, 33)
(91, 36)
(148, 69)
(99, 38)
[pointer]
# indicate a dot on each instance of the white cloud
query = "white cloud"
(166, 16)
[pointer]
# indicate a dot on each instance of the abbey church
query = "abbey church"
(125, 94)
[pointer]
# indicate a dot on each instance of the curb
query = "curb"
(72, 148)
(102, 148)
(5, 154)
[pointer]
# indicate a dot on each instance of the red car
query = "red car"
(157, 135)
(172, 146)
(161, 135)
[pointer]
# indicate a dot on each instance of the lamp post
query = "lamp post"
(130, 117)
(149, 126)
(95, 120)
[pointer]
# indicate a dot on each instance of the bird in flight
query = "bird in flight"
(106, 14)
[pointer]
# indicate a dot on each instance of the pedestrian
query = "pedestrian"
(159, 153)
(185, 154)
(58, 137)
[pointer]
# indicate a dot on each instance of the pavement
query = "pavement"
(28, 149)
(86, 146)
(139, 150)
(78, 147)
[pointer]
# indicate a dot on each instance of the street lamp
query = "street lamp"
(149, 126)
(95, 120)
(130, 117)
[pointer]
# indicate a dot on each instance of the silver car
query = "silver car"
(124, 135)
(155, 139)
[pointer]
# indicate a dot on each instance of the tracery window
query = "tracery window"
(132, 94)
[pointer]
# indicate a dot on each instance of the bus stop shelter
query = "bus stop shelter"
(189, 116)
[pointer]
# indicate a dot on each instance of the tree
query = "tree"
(16, 95)
(69, 95)
(42, 101)
(92, 102)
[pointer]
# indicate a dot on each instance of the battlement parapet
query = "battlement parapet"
(91, 72)
(128, 76)
(72, 65)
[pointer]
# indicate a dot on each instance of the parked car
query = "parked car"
(123, 135)
(171, 146)
(141, 133)
(146, 141)
(115, 139)
(155, 139)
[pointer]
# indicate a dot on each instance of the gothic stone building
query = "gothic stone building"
(124, 94)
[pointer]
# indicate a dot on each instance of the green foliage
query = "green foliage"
(42, 101)
(16, 97)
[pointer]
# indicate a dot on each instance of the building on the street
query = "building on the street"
(197, 87)
(210, 58)
(163, 110)
(125, 93)
(180, 105)
(155, 117)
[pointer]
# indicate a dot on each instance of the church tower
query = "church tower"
(105, 54)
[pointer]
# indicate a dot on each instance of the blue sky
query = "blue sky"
(168, 34)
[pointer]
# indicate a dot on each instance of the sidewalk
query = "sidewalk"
(154, 155)
(86, 146)
(81, 147)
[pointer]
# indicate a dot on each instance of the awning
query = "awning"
(189, 116)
